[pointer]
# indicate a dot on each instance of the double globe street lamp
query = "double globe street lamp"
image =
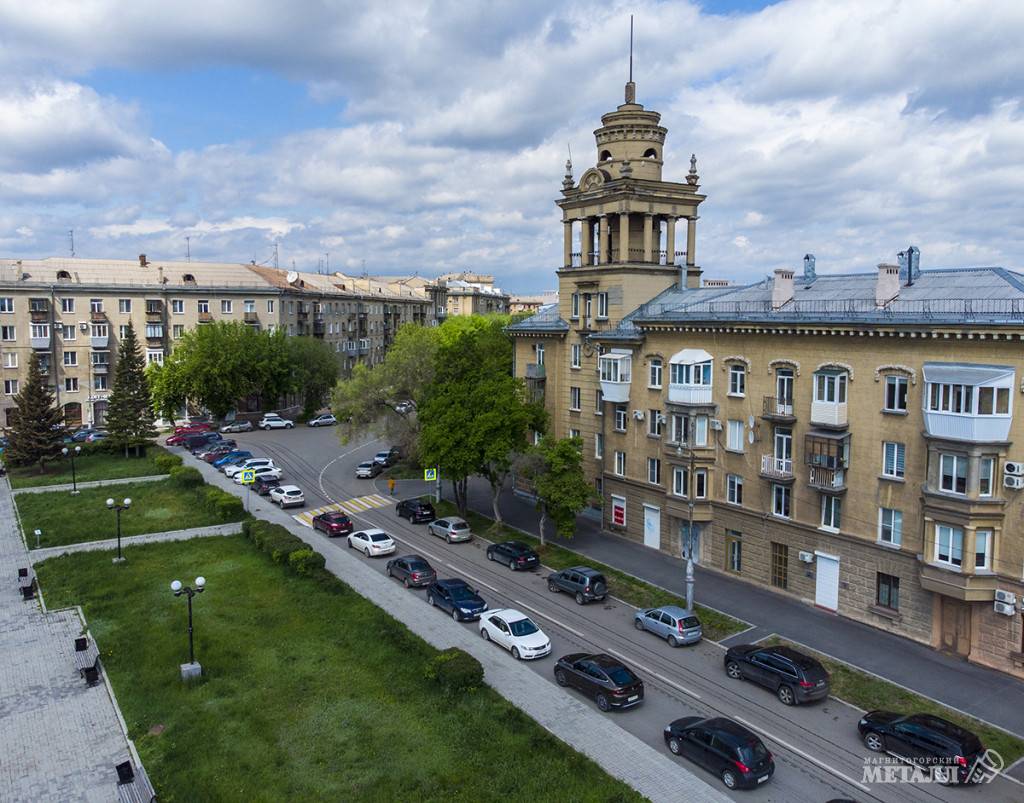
(191, 669)
(119, 507)
(72, 453)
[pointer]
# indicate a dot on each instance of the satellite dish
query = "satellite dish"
(750, 436)
(750, 421)
(292, 277)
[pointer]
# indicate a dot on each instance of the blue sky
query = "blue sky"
(431, 136)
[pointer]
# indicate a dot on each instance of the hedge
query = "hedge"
(306, 561)
(455, 671)
(186, 477)
(222, 504)
(165, 462)
(283, 547)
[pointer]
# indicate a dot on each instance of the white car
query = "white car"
(368, 470)
(372, 542)
(516, 632)
(232, 469)
(287, 496)
(274, 421)
(262, 472)
(325, 420)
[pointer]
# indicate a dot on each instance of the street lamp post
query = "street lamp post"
(687, 547)
(119, 507)
(191, 669)
(72, 453)
(38, 533)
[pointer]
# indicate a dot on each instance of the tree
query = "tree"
(314, 370)
(130, 407)
(167, 389)
(37, 428)
(556, 469)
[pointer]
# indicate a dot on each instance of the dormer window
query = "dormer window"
(188, 278)
(650, 153)
(63, 276)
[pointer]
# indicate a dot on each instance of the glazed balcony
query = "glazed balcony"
(829, 414)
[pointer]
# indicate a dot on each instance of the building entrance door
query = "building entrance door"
(956, 626)
(826, 585)
(652, 527)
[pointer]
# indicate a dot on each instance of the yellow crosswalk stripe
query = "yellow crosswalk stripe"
(351, 506)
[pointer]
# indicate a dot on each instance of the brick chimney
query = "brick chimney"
(887, 288)
(782, 288)
(142, 261)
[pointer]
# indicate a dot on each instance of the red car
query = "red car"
(333, 523)
(195, 426)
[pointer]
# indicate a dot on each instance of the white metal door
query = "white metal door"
(826, 587)
(652, 527)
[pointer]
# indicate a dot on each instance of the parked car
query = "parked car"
(287, 496)
(216, 449)
(264, 485)
(405, 407)
(793, 676)
(924, 740)
(333, 522)
(451, 529)
(515, 553)
(82, 435)
(457, 597)
(251, 462)
(412, 570)
(194, 443)
(388, 457)
(259, 472)
(416, 510)
(274, 421)
(372, 543)
(676, 625)
(192, 427)
(234, 456)
(584, 583)
(368, 470)
(323, 420)
(610, 682)
(237, 426)
(516, 632)
(97, 435)
(722, 747)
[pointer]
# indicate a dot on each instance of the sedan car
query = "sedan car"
(83, 434)
(97, 435)
(368, 470)
(456, 597)
(333, 522)
(451, 529)
(388, 457)
(259, 472)
(515, 553)
(325, 420)
(516, 632)
(235, 456)
(216, 450)
(412, 570)
(253, 462)
(416, 510)
(674, 624)
(237, 426)
(372, 542)
(264, 485)
(793, 676)
(609, 681)
(274, 421)
(924, 740)
(722, 747)
(287, 496)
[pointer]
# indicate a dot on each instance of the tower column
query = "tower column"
(567, 243)
(670, 240)
(648, 235)
(691, 240)
(587, 241)
(602, 240)
(623, 237)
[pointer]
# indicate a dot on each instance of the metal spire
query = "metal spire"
(630, 86)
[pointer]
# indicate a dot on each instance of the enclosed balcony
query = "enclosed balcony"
(154, 309)
(535, 370)
(615, 371)
(777, 469)
(99, 336)
(40, 337)
(968, 402)
(829, 414)
(39, 310)
(690, 377)
(318, 327)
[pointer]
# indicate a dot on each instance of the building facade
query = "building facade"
(474, 294)
(845, 439)
(531, 303)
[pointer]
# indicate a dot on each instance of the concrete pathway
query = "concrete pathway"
(232, 528)
(67, 486)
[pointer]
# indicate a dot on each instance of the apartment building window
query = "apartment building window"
(177, 331)
(124, 306)
(599, 445)
(890, 526)
(249, 305)
(226, 306)
(69, 331)
(735, 436)
(6, 304)
(656, 369)
(575, 312)
(99, 330)
(71, 358)
(574, 399)
(8, 333)
(830, 387)
(737, 380)
(654, 423)
(540, 354)
(953, 473)
(95, 305)
(10, 360)
(654, 471)
(680, 428)
(993, 401)
(101, 358)
(178, 306)
(615, 368)
(203, 306)
(781, 501)
(11, 387)
(983, 549)
(67, 305)
(700, 484)
(780, 565)
(620, 464)
(602, 305)
(576, 355)
(71, 384)
(949, 545)
(734, 489)
(598, 403)
(896, 394)
(888, 591)
(894, 460)
(154, 330)
(700, 430)
(620, 417)
(830, 512)
(154, 356)
(574, 433)
(270, 305)
(39, 330)
(986, 468)
(734, 551)
(122, 331)
(680, 481)
(588, 304)
(99, 382)
(691, 373)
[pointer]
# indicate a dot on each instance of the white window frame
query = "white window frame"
(177, 331)
(8, 333)
(700, 430)
(70, 332)
(831, 513)
(696, 374)
(124, 306)
(10, 359)
(621, 417)
(71, 358)
(574, 311)
(122, 331)
(7, 305)
(39, 330)
(602, 305)
(654, 470)
(71, 384)
(270, 305)
(203, 306)
(890, 520)
(985, 484)
(615, 367)
(830, 387)
(11, 387)
(655, 373)
(680, 428)
(540, 353)
(958, 460)
(67, 306)
(779, 493)
(574, 433)
(735, 432)
(734, 489)
(894, 460)
(954, 538)
(680, 482)
(575, 395)
(227, 306)
(654, 423)
(599, 445)
(177, 306)
(154, 356)
(893, 383)
(576, 356)
(985, 534)
(620, 464)
(99, 382)
(737, 380)
(598, 402)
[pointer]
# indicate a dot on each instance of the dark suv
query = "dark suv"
(793, 676)
(924, 740)
(457, 597)
(610, 682)
(583, 583)
(416, 510)
(724, 748)
(515, 553)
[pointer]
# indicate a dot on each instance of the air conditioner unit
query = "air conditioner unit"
(662, 419)
(83, 325)
(638, 415)
(1004, 609)
(1006, 596)
(1014, 469)
(1010, 481)
(806, 557)
(716, 425)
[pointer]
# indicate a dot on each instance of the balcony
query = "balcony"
(154, 310)
(967, 427)
(98, 316)
(40, 343)
(778, 409)
(99, 341)
(777, 469)
(205, 317)
(101, 367)
(829, 414)
(39, 314)
(154, 338)
(535, 370)
(364, 347)
(302, 311)
(828, 457)
(250, 316)
(827, 479)
(689, 394)
(318, 327)
(952, 583)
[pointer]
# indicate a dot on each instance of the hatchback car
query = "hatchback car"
(456, 597)
(516, 632)
(264, 485)
(192, 427)
(451, 529)
(674, 624)
(368, 470)
(259, 472)
(216, 449)
(325, 420)
(95, 436)
(609, 681)
(83, 434)
(412, 570)
(416, 510)
(924, 740)
(388, 457)
(274, 421)
(793, 676)
(235, 456)
(287, 496)
(372, 542)
(237, 426)
(722, 747)
(333, 522)
(252, 462)
(514, 553)
(584, 583)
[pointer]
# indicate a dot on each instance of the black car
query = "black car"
(585, 584)
(923, 739)
(457, 597)
(724, 748)
(610, 682)
(416, 510)
(793, 676)
(515, 553)
(264, 485)
(412, 570)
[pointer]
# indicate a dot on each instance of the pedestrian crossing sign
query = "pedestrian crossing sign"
(430, 474)
(248, 476)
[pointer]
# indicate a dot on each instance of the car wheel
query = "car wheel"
(512, 565)
(552, 588)
(448, 539)
(560, 678)
(287, 426)
(484, 635)
(405, 582)
(638, 624)
(455, 615)
(266, 427)
(579, 598)
(490, 555)
(349, 540)
(674, 746)
(732, 669)
(873, 742)
(785, 695)
(729, 779)
(367, 552)
(673, 641)
(430, 600)
(602, 702)
(515, 653)
(387, 571)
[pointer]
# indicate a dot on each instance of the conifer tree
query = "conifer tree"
(37, 428)
(129, 410)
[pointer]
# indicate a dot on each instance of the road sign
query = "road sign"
(430, 474)
(248, 476)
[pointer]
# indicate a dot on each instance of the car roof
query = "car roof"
(673, 610)
(583, 570)
(723, 725)
(365, 463)
(800, 659)
(289, 488)
(944, 726)
(334, 514)
(516, 544)
(452, 582)
(508, 614)
(372, 531)
(413, 557)
(606, 661)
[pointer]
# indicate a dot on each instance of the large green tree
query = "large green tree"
(37, 428)
(555, 466)
(313, 370)
(130, 407)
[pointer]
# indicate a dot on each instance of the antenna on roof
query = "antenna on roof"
(276, 265)
(71, 238)
(188, 249)
(631, 48)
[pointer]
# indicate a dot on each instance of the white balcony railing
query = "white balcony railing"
(962, 427)
(777, 467)
(689, 394)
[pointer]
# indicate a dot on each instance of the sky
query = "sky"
(427, 137)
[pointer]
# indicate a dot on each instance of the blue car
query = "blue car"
(236, 456)
(456, 597)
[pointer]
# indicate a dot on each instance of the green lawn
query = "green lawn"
(310, 692)
(716, 626)
(157, 507)
(89, 467)
(870, 693)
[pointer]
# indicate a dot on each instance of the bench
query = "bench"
(133, 784)
(27, 583)
(87, 659)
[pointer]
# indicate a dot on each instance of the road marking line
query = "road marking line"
(471, 577)
(562, 625)
(807, 756)
(658, 675)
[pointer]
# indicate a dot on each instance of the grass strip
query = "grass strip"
(89, 468)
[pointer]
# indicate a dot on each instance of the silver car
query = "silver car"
(451, 529)
(677, 625)
(237, 426)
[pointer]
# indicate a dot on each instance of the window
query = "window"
(700, 484)
(680, 428)
(780, 565)
(95, 305)
(250, 305)
(203, 306)
(599, 445)
(618, 511)
(177, 331)
(39, 330)
(10, 360)
(620, 464)
(71, 384)
(67, 305)
(830, 508)
(574, 433)
(7, 304)
(953, 473)
(576, 355)
(830, 388)
(986, 468)
(620, 417)
(655, 374)
(734, 551)
(888, 591)
(615, 368)
(737, 380)
(574, 398)
(11, 387)
(226, 306)
(896, 394)
(122, 331)
(99, 330)
(178, 306)
(780, 501)
(270, 305)
(700, 430)
(654, 423)
(993, 401)
(575, 312)
(602, 305)
(7, 333)
(99, 382)
(155, 330)
(680, 482)
(982, 549)
(71, 358)
(947, 398)
(735, 436)
(154, 356)
(101, 358)
(540, 354)
(734, 489)
(70, 332)
(124, 305)
(890, 526)
(598, 403)
(654, 470)
(893, 459)
(695, 374)
(949, 545)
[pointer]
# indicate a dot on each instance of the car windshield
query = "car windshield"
(462, 593)
(620, 675)
(378, 537)
(753, 753)
(337, 517)
(524, 627)
(691, 621)
(366, 465)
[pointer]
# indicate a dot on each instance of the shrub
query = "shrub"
(305, 561)
(455, 671)
(222, 504)
(165, 462)
(275, 540)
(186, 477)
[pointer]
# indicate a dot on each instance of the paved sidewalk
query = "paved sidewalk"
(39, 555)
(67, 486)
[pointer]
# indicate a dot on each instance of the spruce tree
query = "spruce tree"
(129, 409)
(37, 429)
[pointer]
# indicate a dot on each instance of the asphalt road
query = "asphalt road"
(818, 752)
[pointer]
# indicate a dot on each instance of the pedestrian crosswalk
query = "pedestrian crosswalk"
(350, 506)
